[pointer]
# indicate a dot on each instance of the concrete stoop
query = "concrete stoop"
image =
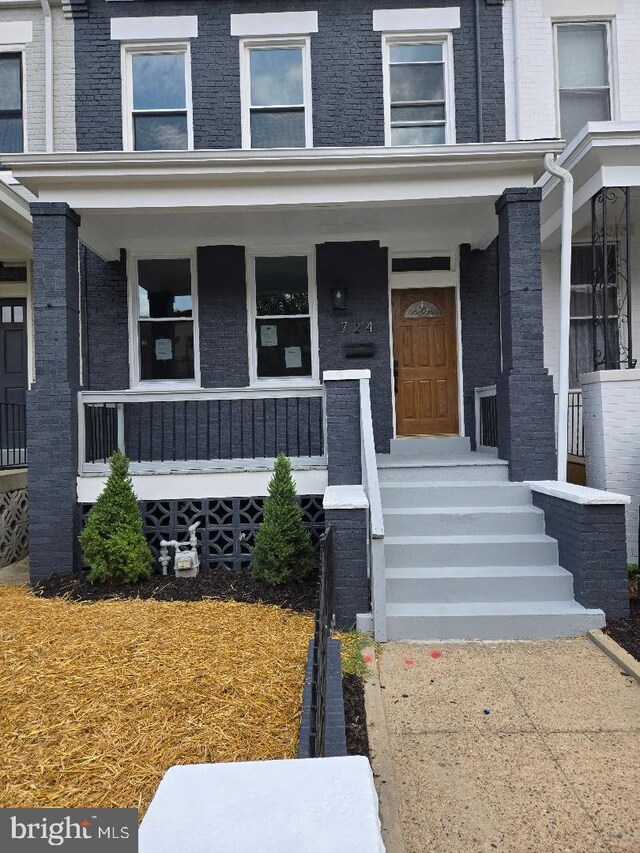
(466, 554)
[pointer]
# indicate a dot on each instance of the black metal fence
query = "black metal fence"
(206, 430)
(322, 635)
(575, 425)
(488, 421)
(13, 435)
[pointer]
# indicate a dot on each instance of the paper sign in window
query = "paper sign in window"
(269, 336)
(164, 349)
(292, 357)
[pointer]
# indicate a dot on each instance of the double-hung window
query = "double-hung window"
(276, 93)
(584, 77)
(164, 320)
(418, 91)
(11, 106)
(283, 312)
(157, 98)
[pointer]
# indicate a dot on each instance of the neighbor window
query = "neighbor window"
(584, 86)
(165, 320)
(158, 99)
(418, 94)
(11, 124)
(283, 317)
(276, 94)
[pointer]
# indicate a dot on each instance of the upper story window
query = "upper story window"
(584, 77)
(157, 98)
(163, 333)
(418, 91)
(11, 103)
(276, 93)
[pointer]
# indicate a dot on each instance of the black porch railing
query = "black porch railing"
(13, 435)
(488, 421)
(203, 428)
(575, 425)
(322, 635)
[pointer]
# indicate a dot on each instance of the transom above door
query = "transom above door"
(425, 361)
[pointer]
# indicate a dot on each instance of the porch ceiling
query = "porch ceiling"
(15, 226)
(438, 195)
(604, 154)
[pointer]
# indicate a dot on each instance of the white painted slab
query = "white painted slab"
(345, 497)
(416, 20)
(274, 24)
(577, 494)
(311, 805)
(338, 375)
(152, 28)
(16, 32)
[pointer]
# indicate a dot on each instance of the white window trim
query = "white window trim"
(134, 318)
(246, 45)
(126, 52)
(274, 24)
(152, 28)
(419, 20)
(20, 48)
(446, 40)
(252, 316)
(609, 24)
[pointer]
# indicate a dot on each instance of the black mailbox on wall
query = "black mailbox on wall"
(359, 350)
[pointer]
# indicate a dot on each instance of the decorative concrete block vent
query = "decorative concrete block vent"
(301, 806)
(14, 527)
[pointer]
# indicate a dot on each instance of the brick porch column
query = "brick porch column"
(52, 407)
(526, 417)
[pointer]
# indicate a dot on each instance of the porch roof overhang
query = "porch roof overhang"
(136, 200)
(15, 226)
(604, 154)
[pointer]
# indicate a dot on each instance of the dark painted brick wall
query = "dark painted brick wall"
(350, 549)
(222, 305)
(105, 322)
(593, 547)
(335, 735)
(480, 313)
(343, 433)
(346, 67)
(363, 269)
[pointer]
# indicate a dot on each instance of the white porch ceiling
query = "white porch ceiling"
(15, 226)
(430, 197)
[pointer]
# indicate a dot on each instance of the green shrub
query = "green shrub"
(113, 544)
(282, 551)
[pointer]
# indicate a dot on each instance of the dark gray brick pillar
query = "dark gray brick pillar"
(593, 547)
(52, 404)
(526, 428)
(350, 547)
(342, 404)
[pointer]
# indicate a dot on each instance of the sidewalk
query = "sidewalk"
(513, 747)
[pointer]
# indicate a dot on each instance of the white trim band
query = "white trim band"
(344, 497)
(416, 20)
(577, 494)
(610, 376)
(584, 9)
(274, 24)
(341, 375)
(155, 28)
(16, 32)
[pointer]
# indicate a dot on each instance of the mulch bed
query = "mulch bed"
(219, 584)
(626, 632)
(355, 715)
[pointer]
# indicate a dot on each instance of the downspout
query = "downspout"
(479, 74)
(48, 75)
(565, 307)
(516, 68)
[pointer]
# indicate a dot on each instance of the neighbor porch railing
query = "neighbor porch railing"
(486, 410)
(575, 425)
(199, 430)
(13, 435)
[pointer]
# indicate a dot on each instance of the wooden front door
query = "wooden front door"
(425, 361)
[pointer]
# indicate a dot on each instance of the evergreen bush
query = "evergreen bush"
(282, 552)
(113, 543)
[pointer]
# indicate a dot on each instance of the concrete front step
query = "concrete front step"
(455, 585)
(437, 495)
(462, 470)
(465, 521)
(428, 448)
(515, 550)
(491, 621)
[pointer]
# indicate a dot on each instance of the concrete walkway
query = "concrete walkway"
(512, 747)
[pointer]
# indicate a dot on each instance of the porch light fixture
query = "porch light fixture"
(339, 297)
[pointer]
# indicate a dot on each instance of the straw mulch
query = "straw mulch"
(98, 700)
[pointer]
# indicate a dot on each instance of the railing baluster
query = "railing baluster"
(197, 422)
(208, 430)
(151, 432)
(253, 428)
(298, 427)
(173, 418)
(184, 429)
(309, 424)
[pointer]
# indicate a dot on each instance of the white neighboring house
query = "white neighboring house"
(571, 72)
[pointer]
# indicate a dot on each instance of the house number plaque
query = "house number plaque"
(356, 328)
